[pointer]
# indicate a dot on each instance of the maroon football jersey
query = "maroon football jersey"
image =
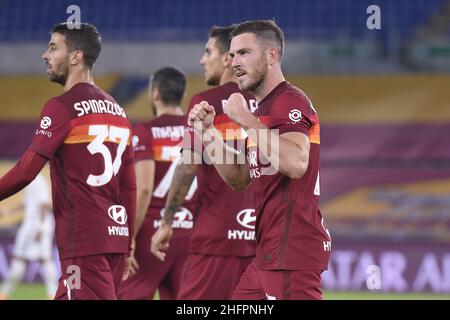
(225, 221)
(290, 230)
(160, 140)
(87, 138)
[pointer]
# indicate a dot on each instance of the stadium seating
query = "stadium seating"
(25, 20)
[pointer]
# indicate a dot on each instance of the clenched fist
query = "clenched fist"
(202, 113)
(236, 109)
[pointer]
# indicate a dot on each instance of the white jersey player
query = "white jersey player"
(34, 238)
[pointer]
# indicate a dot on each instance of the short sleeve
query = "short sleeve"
(142, 143)
(51, 130)
(292, 113)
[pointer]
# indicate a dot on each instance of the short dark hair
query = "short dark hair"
(222, 36)
(84, 37)
(266, 30)
(171, 83)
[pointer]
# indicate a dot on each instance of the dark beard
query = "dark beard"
(62, 77)
(254, 86)
(260, 77)
(213, 81)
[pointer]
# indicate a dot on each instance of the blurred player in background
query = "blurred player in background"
(86, 137)
(222, 243)
(293, 245)
(157, 146)
(34, 239)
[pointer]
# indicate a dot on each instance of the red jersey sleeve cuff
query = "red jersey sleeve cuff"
(292, 128)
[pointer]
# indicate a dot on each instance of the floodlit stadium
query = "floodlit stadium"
(377, 73)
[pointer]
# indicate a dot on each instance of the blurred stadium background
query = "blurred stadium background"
(382, 96)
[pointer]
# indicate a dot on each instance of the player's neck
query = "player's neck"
(272, 80)
(77, 76)
(228, 76)
(169, 110)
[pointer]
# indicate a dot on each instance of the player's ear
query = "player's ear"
(226, 60)
(272, 55)
(76, 57)
(156, 95)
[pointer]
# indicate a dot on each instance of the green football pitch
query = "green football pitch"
(37, 292)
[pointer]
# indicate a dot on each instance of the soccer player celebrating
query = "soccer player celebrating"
(293, 245)
(86, 137)
(222, 243)
(157, 147)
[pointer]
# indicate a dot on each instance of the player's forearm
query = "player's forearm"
(145, 179)
(26, 169)
(181, 182)
(234, 173)
(284, 155)
(130, 205)
(142, 204)
(293, 159)
(128, 187)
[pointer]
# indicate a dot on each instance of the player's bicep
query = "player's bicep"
(294, 154)
(297, 139)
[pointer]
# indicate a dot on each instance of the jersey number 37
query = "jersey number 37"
(103, 133)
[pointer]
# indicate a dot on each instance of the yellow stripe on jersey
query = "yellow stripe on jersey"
(314, 134)
(231, 131)
(80, 134)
